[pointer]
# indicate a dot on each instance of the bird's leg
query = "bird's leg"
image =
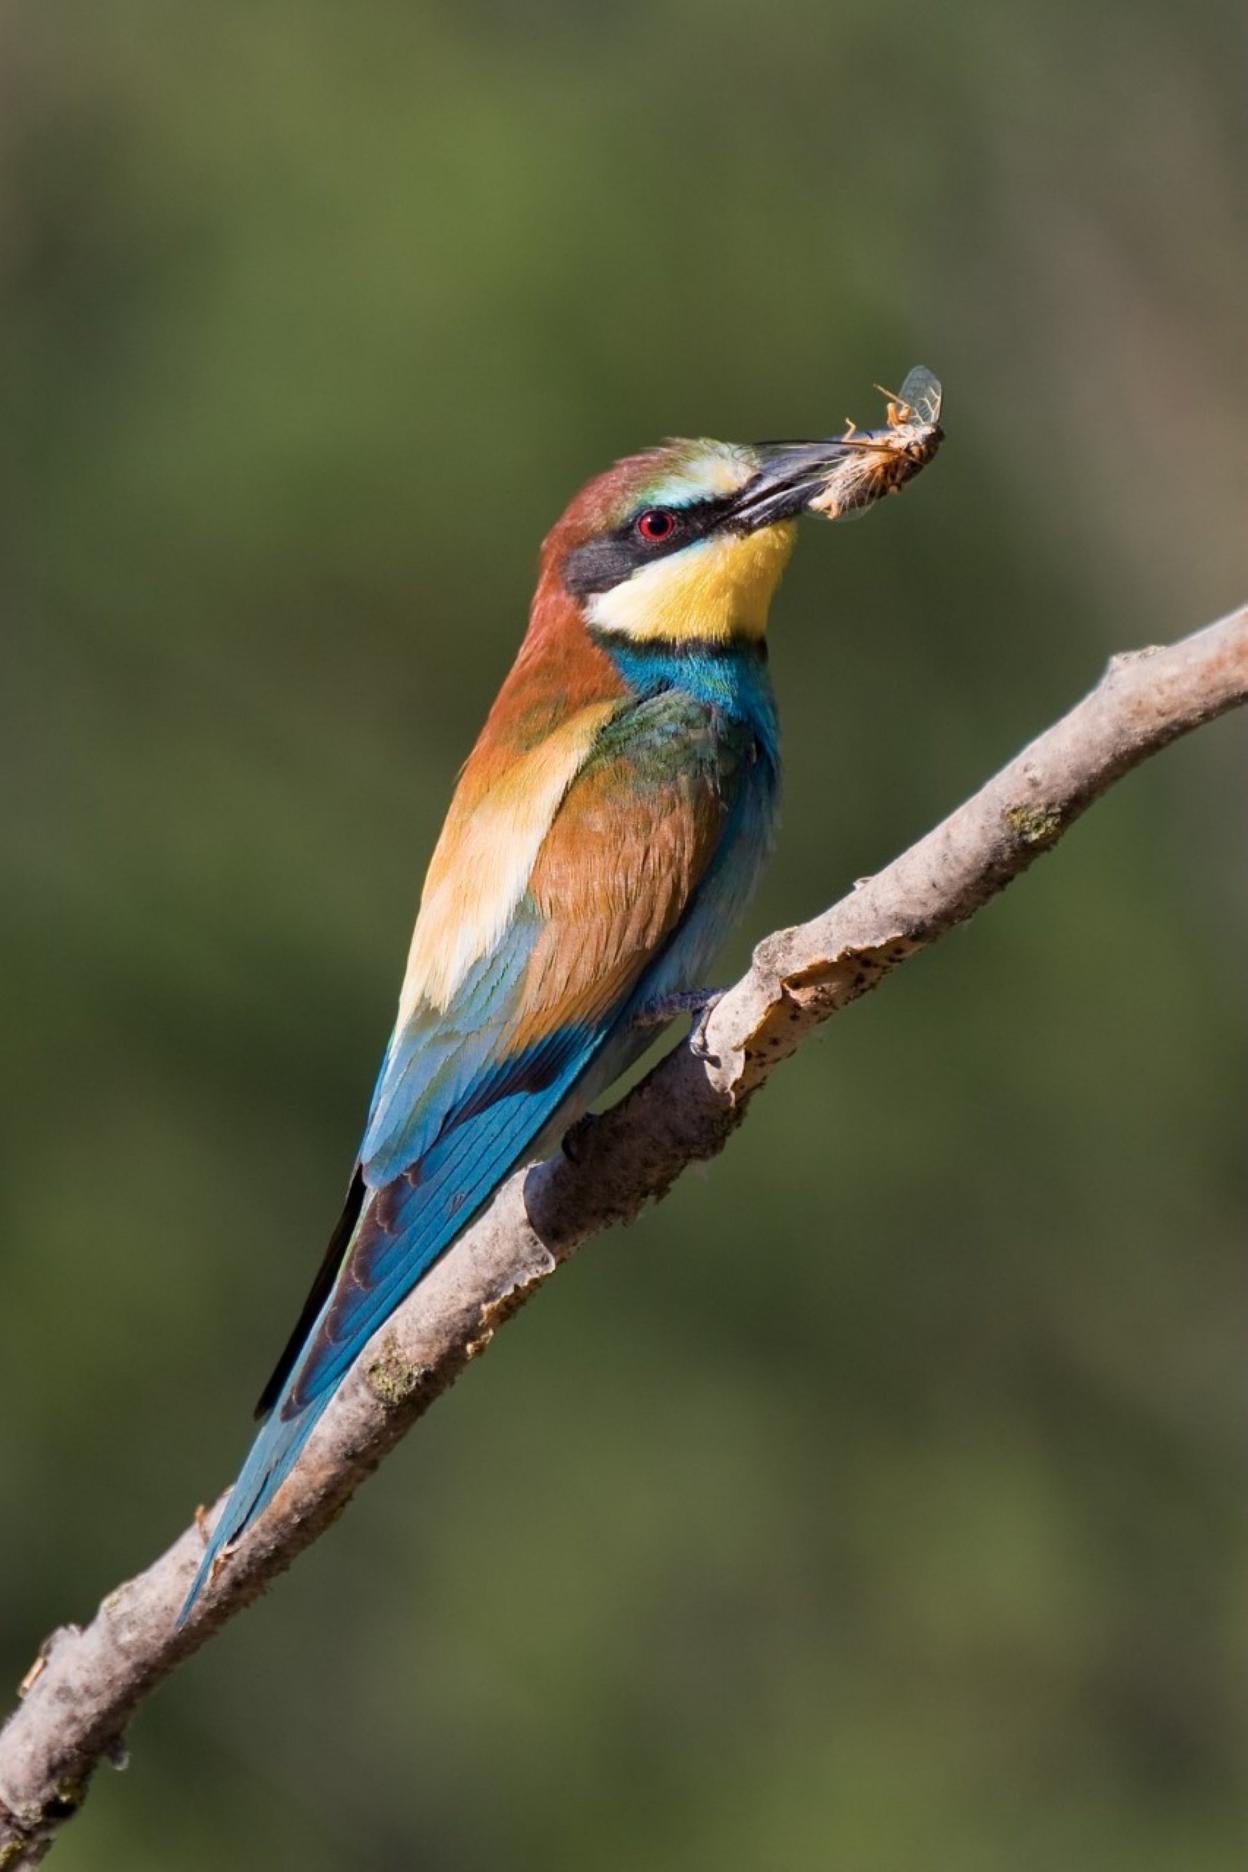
(696, 1001)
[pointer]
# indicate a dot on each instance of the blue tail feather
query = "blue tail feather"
(458, 1177)
(270, 1460)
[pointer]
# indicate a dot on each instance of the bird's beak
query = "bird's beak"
(843, 474)
(790, 475)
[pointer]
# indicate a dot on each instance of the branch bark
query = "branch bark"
(86, 1683)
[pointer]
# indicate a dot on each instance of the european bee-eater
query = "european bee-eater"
(607, 829)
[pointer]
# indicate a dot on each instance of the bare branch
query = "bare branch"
(87, 1683)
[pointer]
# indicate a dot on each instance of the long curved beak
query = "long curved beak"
(791, 474)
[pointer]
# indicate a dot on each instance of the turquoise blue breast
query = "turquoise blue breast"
(731, 686)
(731, 678)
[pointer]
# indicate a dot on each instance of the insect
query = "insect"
(881, 461)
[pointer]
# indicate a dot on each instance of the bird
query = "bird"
(605, 832)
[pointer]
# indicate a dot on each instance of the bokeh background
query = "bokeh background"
(877, 1501)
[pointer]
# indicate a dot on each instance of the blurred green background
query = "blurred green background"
(876, 1503)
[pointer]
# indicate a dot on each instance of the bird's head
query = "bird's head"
(686, 543)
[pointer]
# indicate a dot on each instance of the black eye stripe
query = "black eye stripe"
(609, 560)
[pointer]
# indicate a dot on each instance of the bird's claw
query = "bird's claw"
(697, 1033)
(699, 1002)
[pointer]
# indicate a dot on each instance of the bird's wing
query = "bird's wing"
(468, 1085)
(547, 913)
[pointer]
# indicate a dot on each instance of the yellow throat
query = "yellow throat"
(713, 591)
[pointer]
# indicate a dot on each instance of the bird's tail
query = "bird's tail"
(272, 1457)
(390, 1237)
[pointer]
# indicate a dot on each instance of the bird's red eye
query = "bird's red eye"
(656, 524)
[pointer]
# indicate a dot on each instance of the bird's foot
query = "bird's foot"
(696, 1001)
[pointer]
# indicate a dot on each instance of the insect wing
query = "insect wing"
(923, 393)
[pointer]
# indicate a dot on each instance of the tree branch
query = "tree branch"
(86, 1684)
